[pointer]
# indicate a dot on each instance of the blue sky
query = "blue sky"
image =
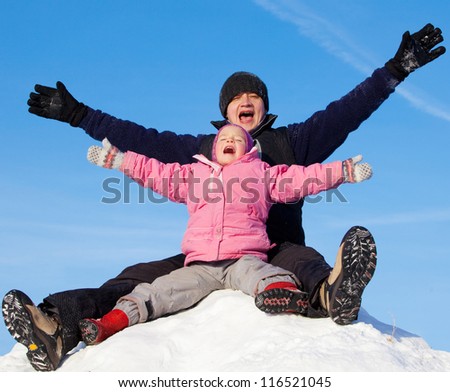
(161, 64)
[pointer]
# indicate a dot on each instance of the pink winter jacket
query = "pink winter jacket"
(228, 205)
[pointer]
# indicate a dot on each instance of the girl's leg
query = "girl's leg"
(94, 331)
(179, 290)
(275, 290)
(169, 294)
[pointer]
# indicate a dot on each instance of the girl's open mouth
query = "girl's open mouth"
(229, 150)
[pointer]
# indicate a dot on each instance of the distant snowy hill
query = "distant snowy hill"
(227, 333)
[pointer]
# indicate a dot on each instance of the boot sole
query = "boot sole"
(281, 301)
(19, 323)
(359, 260)
(89, 331)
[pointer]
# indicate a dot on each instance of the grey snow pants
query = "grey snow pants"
(186, 286)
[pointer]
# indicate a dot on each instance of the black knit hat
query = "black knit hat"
(239, 83)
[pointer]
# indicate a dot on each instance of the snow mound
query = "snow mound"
(227, 333)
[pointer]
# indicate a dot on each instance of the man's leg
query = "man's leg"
(310, 268)
(50, 330)
(147, 272)
(336, 292)
(341, 293)
(72, 306)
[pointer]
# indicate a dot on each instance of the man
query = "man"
(50, 330)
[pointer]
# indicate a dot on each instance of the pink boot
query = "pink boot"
(96, 331)
(281, 297)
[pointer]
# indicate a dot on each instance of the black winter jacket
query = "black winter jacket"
(304, 143)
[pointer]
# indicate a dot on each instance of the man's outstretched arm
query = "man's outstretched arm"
(58, 104)
(318, 137)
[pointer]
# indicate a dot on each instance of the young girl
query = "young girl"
(225, 243)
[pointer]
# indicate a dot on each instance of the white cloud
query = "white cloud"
(337, 42)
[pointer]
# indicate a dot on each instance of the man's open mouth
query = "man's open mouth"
(248, 114)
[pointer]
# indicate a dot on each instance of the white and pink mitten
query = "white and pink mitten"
(355, 171)
(107, 156)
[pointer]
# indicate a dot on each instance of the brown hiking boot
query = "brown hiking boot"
(341, 293)
(37, 331)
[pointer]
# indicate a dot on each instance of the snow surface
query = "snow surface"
(227, 333)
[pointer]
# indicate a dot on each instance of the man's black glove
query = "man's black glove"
(415, 51)
(57, 104)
